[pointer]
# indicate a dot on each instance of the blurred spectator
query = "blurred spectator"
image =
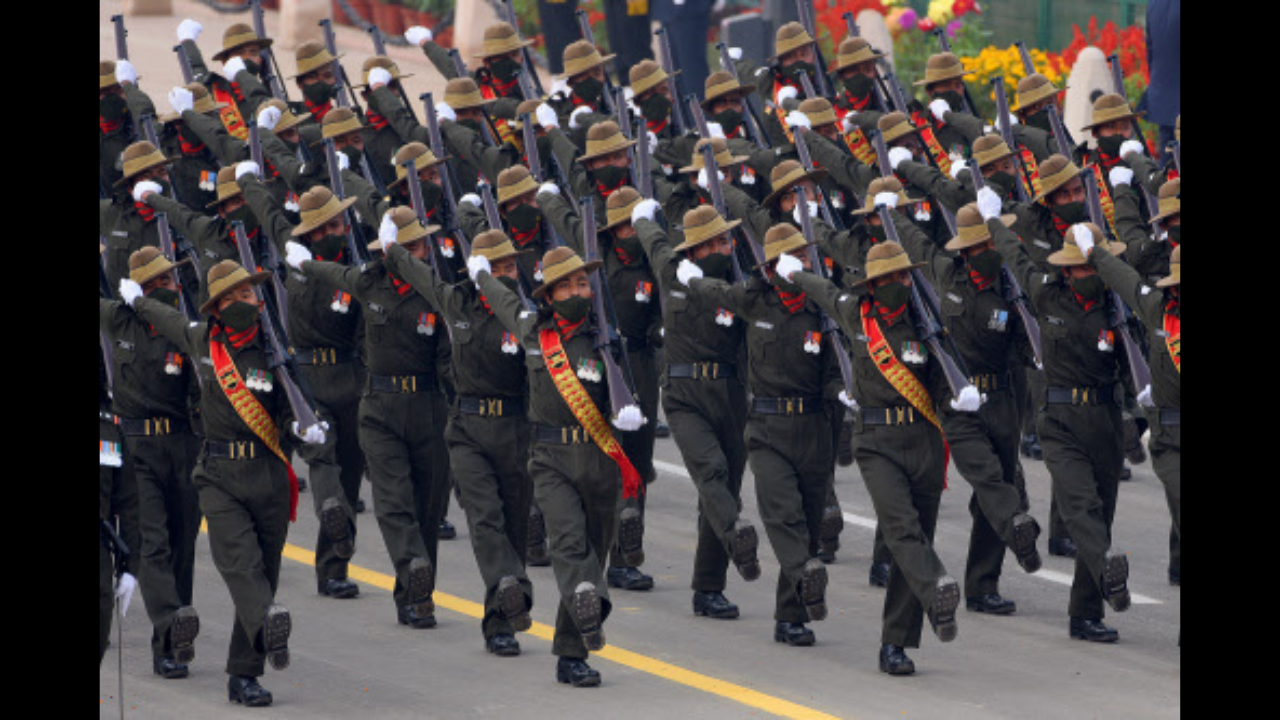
(559, 29)
(629, 36)
(686, 22)
(1164, 57)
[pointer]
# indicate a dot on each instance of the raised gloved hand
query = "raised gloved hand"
(124, 587)
(735, 53)
(1084, 238)
(958, 167)
(476, 264)
(189, 30)
(181, 100)
(418, 35)
(472, 199)
(144, 189)
(444, 112)
(233, 67)
(630, 419)
(703, 180)
(130, 291)
(848, 124)
(269, 117)
(969, 400)
(314, 435)
(897, 156)
(560, 89)
(647, 209)
(573, 117)
(788, 265)
(686, 271)
(547, 117)
(988, 203)
(1129, 146)
(125, 72)
(787, 93)
(246, 167)
(653, 141)
(1144, 397)
(939, 108)
(629, 97)
(344, 162)
(714, 129)
(295, 254)
(887, 199)
(549, 187)
(848, 401)
(796, 119)
(813, 210)
(1120, 175)
(387, 231)
(379, 77)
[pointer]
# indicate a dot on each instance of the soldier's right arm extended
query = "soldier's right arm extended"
(848, 171)
(267, 209)
(344, 276)
(228, 148)
(195, 226)
(741, 206)
(952, 194)
(513, 315)
(387, 103)
(1146, 301)
(1020, 263)
(657, 246)
(171, 323)
(827, 296)
(442, 296)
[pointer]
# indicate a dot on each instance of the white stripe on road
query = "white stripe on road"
(870, 523)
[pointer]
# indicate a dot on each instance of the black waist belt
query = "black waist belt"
(239, 450)
(991, 382)
(786, 406)
(1104, 395)
(557, 435)
(1170, 416)
(896, 415)
(490, 407)
(154, 426)
(636, 343)
(402, 383)
(702, 370)
(323, 356)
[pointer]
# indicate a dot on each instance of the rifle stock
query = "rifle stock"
(1006, 133)
(673, 81)
(335, 184)
(620, 394)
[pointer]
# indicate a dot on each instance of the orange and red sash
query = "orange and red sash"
(939, 155)
(1032, 175)
(860, 147)
(230, 115)
(1104, 195)
(253, 414)
(584, 409)
(1173, 339)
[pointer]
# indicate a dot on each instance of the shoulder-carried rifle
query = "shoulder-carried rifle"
(584, 25)
(829, 327)
(122, 44)
(673, 81)
(829, 216)
(620, 392)
(509, 14)
(358, 252)
(1006, 133)
(804, 9)
(754, 249)
(270, 73)
(184, 64)
(485, 190)
(380, 48)
(750, 118)
(1060, 134)
(344, 98)
(186, 304)
(487, 130)
(1175, 149)
(443, 271)
(1117, 79)
(945, 45)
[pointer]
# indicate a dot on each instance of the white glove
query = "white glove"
(629, 97)
(735, 53)
(549, 187)
(145, 188)
(233, 67)
(1013, 119)
(130, 291)
(295, 254)
(969, 400)
(897, 156)
(957, 167)
(573, 117)
(245, 168)
(1084, 238)
(702, 178)
(181, 99)
(813, 210)
(547, 116)
(560, 89)
(125, 73)
(630, 419)
(189, 30)
(939, 107)
(795, 119)
(387, 231)
(1129, 146)
(647, 209)
(477, 263)
(344, 162)
(787, 93)
(1144, 397)
(1120, 175)
(473, 199)
(848, 401)
(687, 271)
(887, 199)
(788, 265)
(417, 35)
(269, 117)
(124, 591)
(314, 434)
(848, 124)
(653, 141)
(988, 203)
(443, 111)
(379, 77)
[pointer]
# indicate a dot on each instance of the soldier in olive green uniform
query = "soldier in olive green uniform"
(487, 435)
(246, 487)
(690, 189)
(195, 165)
(121, 105)
(855, 75)
(575, 479)
(1080, 426)
(126, 223)
(110, 461)
(898, 443)
(402, 410)
(152, 385)
(238, 86)
(944, 80)
(500, 57)
(788, 432)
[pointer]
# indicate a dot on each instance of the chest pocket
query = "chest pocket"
(463, 332)
(377, 322)
(124, 354)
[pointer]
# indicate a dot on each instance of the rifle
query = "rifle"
(184, 64)
(535, 169)
(1117, 79)
(644, 163)
(673, 81)
(1013, 293)
(420, 209)
(103, 342)
(485, 190)
(344, 97)
(1065, 143)
(584, 25)
(122, 45)
(750, 120)
(487, 131)
(359, 253)
(806, 161)
(829, 327)
(269, 247)
(448, 180)
(717, 201)
(620, 393)
(945, 45)
(166, 248)
(1006, 133)
(270, 73)
(508, 12)
(380, 48)
(805, 10)
(882, 159)
(930, 330)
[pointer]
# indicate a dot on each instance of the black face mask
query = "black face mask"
(987, 264)
(329, 247)
(572, 309)
(318, 93)
(504, 69)
(655, 108)
(876, 232)
(507, 282)
(164, 295)
(431, 194)
(610, 176)
(589, 90)
(354, 154)
(1175, 234)
(715, 265)
(245, 215)
(112, 107)
(471, 124)
(1111, 145)
(858, 85)
(796, 69)
(1089, 287)
(1038, 119)
(953, 98)
(892, 296)
(188, 136)
(1072, 213)
(239, 316)
(523, 218)
(1002, 182)
(728, 119)
(252, 67)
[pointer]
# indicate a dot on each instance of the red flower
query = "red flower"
(926, 25)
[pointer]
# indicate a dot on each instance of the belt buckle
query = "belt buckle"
(490, 407)
(902, 414)
(240, 449)
(405, 383)
(564, 436)
(787, 406)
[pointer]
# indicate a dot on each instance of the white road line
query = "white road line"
(870, 523)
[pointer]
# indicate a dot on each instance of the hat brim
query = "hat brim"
(774, 259)
(817, 175)
(167, 118)
(733, 160)
(1021, 106)
(376, 245)
(219, 201)
(624, 146)
(1132, 115)
(314, 69)
(603, 60)
(254, 279)
(741, 91)
(397, 181)
(956, 243)
(1046, 192)
(864, 281)
(519, 46)
(305, 228)
(158, 273)
(127, 178)
(966, 73)
(686, 245)
(1059, 258)
(1164, 215)
(874, 56)
(588, 268)
(398, 77)
(224, 53)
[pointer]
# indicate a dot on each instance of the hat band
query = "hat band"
(1058, 179)
(997, 152)
(228, 190)
(861, 56)
(973, 233)
(610, 144)
(158, 265)
(878, 268)
(1169, 206)
(411, 232)
(236, 41)
(1111, 114)
(333, 130)
(826, 117)
(649, 82)
(497, 252)
(146, 162)
(226, 282)
(583, 64)
(526, 185)
(618, 215)
(702, 233)
(324, 212)
(778, 248)
(502, 45)
(561, 270)
(898, 131)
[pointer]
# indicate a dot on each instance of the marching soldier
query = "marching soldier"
(584, 80)
(317, 78)
(380, 138)
(944, 76)
(1112, 124)
(1034, 131)
(121, 105)
(856, 103)
(1149, 250)
(500, 56)
(126, 222)
(795, 55)
(246, 486)
(1151, 175)
(195, 167)
(151, 388)
(238, 96)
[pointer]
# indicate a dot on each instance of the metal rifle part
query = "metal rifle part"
(270, 73)
(380, 48)
(344, 96)
(487, 131)
(166, 248)
(486, 191)
(1175, 149)
(509, 12)
(667, 61)
(882, 159)
(433, 248)
(584, 25)
(805, 11)
(449, 181)
(643, 161)
(829, 327)
(184, 64)
(1013, 293)
(829, 215)
(620, 392)
(1006, 133)
(717, 201)
(335, 185)
(122, 44)
(1117, 79)
(945, 44)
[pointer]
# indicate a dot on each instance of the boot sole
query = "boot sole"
(942, 614)
(512, 604)
(745, 551)
(1025, 532)
(334, 525)
(631, 536)
(586, 615)
(235, 697)
(589, 681)
(830, 527)
(1098, 639)
(1115, 576)
(805, 641)
(182, 633)
(813, 589)
(897, 669)
(276, 636)
(421, 585)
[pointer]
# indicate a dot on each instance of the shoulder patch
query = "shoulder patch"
(1055, 320)
(764, 325)
(523, 313)
(954, 298)
(1040, 243)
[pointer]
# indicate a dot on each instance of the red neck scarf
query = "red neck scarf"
(579, 102)
(568, 329)
(1061, 225)
(657, 127)
(623, 256)
(523, 238)
(858, 104)
(491, 88)
(145, 211)
(982, 282)
(231, 236)
(318, 111)
(890, 317)
(1106, 160)
(109, 127)
(794, 303)
(237, 340)
(376, 121)
(1086, 304)
(188, 148)
(605, 192)
(402, 287)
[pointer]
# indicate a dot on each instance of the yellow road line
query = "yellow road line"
(635, 661)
